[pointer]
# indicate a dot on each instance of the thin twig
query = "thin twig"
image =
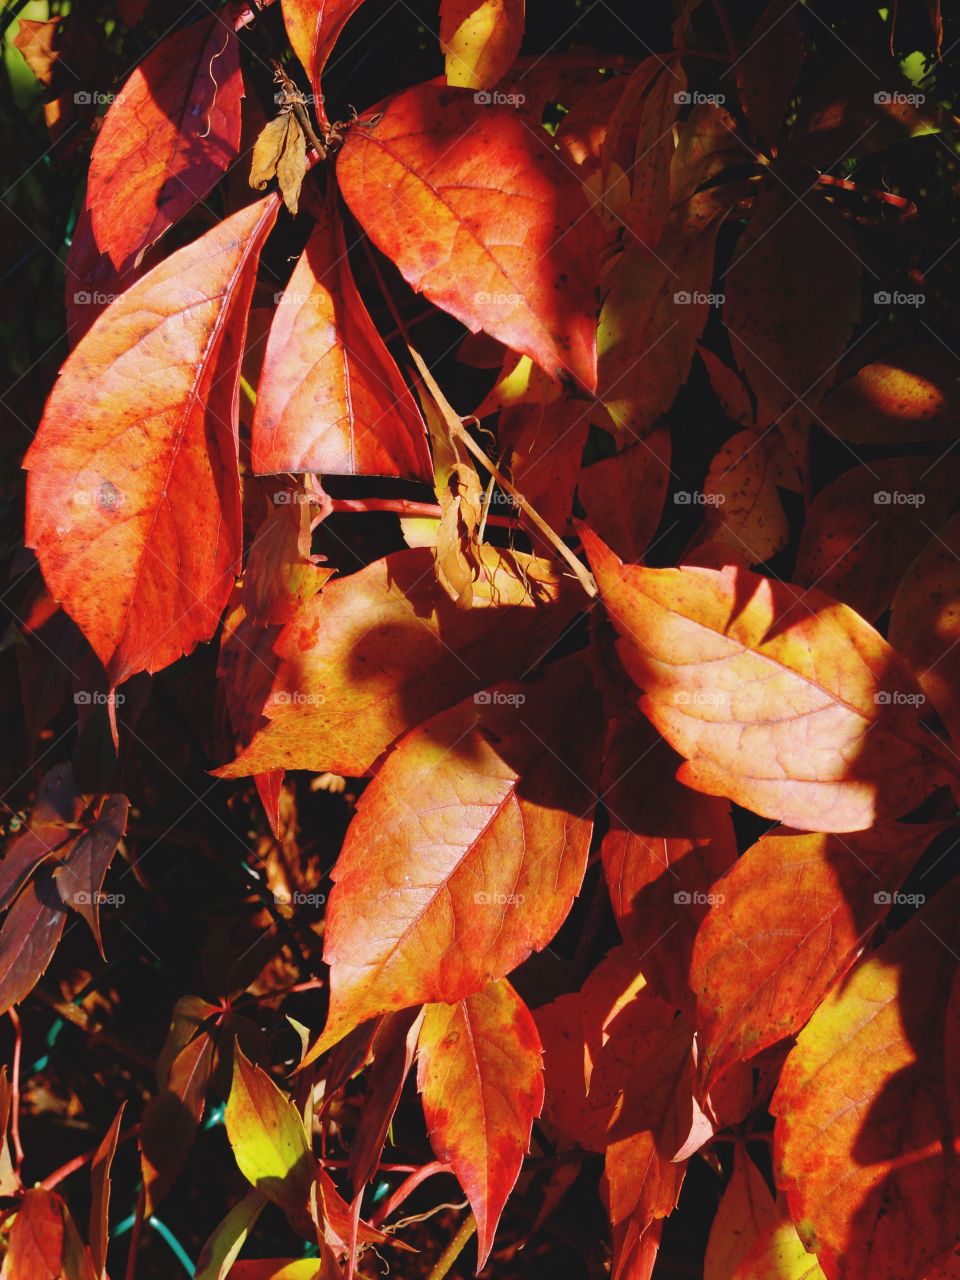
(406, 1189)
(136, 1233)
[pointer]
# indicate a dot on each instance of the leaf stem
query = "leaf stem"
(136, 1234)
(407, 1188)
(15, 1090)
(454, 1249)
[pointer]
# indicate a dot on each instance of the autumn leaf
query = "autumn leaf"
(281, 152)
(788, 920)
(167, 138)
(742, 489)
(863, 530)
(31, 931)
(654, 315)
(925, 622)
(172, 1117)
(331, 398)
(664, 848)
(418, 653)
(770, 63)
(480, 39)
(795, 259)
(473, 780)
(480, 1077)
(778, 1254)
(220, 1251)
(100, 1194)
(745, 1213)
(623, 494)
(865, 1143)
(313, 27)
(414, 183)
(133, 500)
(44, 1243)
(80, 875)
(781, 700)
(268, 1138)
(906, 394)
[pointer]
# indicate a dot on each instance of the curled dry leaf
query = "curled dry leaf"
(281, 152)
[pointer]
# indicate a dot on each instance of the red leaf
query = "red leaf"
(482, 217)
(623, 495)
(313, 27)
(925, 622)
(29, 937)
(795, 260)
(466, 850)
(865, 1143)
(907, 394)
(44, 1243)
(81, 872)
(393, 1057)
(664, 848)
(417, 651)
(331, 398)
(166, 140)
(863, 530)
(133, 500)
(788, 921)
(100, 1194)
(172, 1117)
(480, 1076)
(769, 66)
(781, 700)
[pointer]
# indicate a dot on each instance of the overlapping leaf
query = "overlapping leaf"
(783, 700)
(167, 138)
(482, 1084)
(484, 219)
(466, 850)
(133, 500)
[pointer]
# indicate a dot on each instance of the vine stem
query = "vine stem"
(404, 507)
(406, 1189)
(15, 1090)
(54, 1179)
(454, 1249)
(459, 432)
(136, 1234)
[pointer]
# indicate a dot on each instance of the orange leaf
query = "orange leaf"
(417, 653)
(313, 27)
(331, 398)
(865, 1142)
(788, 921)
(133, 501)
(481, 216)
(167, 138)
(784, 701)
(482, 1084)
(466, 850)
